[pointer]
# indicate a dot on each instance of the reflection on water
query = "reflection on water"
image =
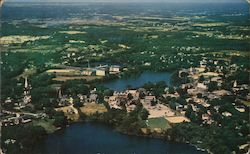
(122, 84)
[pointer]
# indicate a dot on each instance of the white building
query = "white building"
(87, 72)
(115, 68)
(101, 72)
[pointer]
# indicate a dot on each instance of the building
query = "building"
(26, 92)
(101, 72)
(201, 86)
(88, 72)
(115, 68)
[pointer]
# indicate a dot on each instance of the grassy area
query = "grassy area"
(247, 103)
(158, 123)
(70, 112)
(92, 108)
(47, 124)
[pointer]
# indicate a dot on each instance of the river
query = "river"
(138, 81)
(93, 138)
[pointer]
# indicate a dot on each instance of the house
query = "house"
(8, 100)
(193, 92)
(93, 97)
(240, 108)
(115, 68)
(101, 72)
(187, 85)
(221, 93)
(227, 114)
(179, 107)
(202, 86)
(88, 72)
(134, 93)
(210, 74)
(82, 97)
(205, 117)
(217, 79)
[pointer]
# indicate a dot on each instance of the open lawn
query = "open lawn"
(70, 112)
(158, 123)
(47, 124)
(247, 103)
(92, 108)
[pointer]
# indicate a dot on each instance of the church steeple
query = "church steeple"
(60, 93)
(26, 86)
(235, 84)
(26, 92)
(26, 83)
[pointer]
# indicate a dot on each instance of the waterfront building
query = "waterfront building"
(115, 68)
(88, 72)
(101, 72)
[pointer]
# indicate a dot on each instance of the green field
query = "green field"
(47, 124)
(158, 123)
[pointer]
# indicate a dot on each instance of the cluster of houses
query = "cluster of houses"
(65, 100)
(14, 118)
(198, 90)
(130, 98)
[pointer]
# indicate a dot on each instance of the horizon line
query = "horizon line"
(135, 1)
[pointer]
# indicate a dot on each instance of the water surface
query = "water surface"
(92, 138)
(145, 77)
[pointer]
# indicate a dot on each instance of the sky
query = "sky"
(129, 1)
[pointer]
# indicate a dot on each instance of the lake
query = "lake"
(138, 81)
(93, 138)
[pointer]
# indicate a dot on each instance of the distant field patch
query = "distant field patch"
(87, 78)
(72, 32)
(216, 24)
(91, 108)
(19, 39)
(158, 123)
(247, 103)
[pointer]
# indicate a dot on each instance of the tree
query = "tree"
(171, 90)
(189, 111)
(153, 103)
(130, 96)
(201, 78)
(60, 119)
(77, 104)
(144, 114)
(212, 86)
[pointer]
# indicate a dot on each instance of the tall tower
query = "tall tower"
(26, 92)
(60, 93)
(27, 88)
